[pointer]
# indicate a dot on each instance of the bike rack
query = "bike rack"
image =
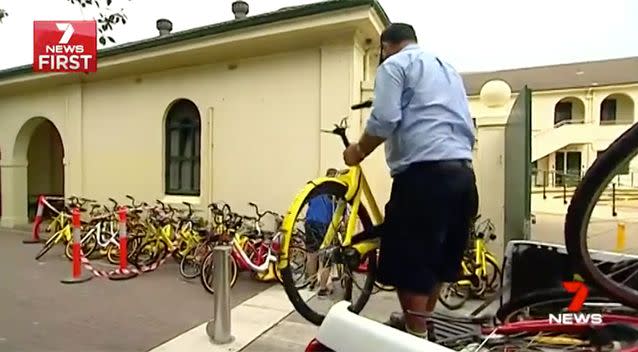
(218, 329)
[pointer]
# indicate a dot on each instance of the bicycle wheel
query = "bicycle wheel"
(540, 304)
(580, 210)
(150, 252)
(88, 247)
(191, 264)
(113, 251)
(207, 276)
(491, 278)
(297, 263)
(454, 295)
(334, 191)
(46, 247)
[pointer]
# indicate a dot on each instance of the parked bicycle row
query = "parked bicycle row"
(158, 231)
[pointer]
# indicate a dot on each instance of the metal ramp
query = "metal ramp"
(446, 330)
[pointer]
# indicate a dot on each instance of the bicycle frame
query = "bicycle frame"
(100, 230)
(357, 186)
(244, 261)
(59, 221)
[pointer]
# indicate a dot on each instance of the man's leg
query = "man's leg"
(414, 302)
(312, 257)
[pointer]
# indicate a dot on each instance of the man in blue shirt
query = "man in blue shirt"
(421, 113)
(318, 217)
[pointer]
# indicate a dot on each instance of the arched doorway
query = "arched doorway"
(39, 144)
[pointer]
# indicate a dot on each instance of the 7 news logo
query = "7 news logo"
(574, 315)
(64, 46)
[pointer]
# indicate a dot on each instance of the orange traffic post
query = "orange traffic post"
(123, 273)
(76, 275)
(35, 234)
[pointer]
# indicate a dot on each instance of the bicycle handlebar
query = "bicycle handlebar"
(133, 201)
(342, 126)
(362, 105)
(79, 202)
(261, 215)
(190, 208)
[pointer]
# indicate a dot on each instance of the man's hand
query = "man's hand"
(353, 155)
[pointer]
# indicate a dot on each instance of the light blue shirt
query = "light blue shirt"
(420, 107)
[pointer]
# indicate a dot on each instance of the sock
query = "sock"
(423, 334)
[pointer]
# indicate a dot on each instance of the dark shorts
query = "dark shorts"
(315, 231)
(427, 225)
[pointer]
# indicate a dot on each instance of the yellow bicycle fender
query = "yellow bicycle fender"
(288, 224)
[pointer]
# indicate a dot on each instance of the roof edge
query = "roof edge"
(220, 28)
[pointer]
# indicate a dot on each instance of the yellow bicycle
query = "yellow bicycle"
(349, 239)
(480, 270)
(60, 229)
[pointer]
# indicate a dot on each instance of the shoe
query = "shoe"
(431, 331)
(396, 321)
(324, 293)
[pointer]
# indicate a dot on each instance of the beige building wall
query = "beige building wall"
(262, 93)
(260, 130)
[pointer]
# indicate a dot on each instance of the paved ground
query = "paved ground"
(293, 333)
(601, 233)
(41, 314)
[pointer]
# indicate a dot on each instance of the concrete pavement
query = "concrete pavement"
(293, 333)
(41, 314)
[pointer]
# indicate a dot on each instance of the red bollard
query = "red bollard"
(124, 272)
(76, 276)
(35, 236)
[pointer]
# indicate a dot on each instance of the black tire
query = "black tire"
(491, 282)
(88, 247)
(45, 248)
(159, 252)
(463, 292)
(299, 247)
(553, 299)
(189, 267)
(338, 190)
(579, 212)
(207, 273)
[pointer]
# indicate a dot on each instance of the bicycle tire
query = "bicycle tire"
(160, 251)
(466, 291)
(87, 248)
(113, 252)
(189, 259)
(384, 288)
(46, 247)
(583, 201)
(491, 280)
(207, 272)
(556, 296)
(338, 190)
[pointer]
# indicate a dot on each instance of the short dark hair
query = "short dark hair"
(398, 32)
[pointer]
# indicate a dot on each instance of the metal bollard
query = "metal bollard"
(218, 329)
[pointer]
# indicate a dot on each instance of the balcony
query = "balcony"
(617, 109)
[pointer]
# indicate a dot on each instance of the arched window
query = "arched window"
(182, 146)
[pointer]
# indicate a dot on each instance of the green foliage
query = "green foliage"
(107, 18)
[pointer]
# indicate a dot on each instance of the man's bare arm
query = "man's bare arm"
(369, 143)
